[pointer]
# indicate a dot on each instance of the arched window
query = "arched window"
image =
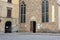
(45, 11)
(23, 12)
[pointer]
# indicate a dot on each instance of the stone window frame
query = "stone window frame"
(23, 12)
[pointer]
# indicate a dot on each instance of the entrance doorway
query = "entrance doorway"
(33, 26)
(8, 27)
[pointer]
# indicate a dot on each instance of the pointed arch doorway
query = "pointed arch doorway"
(33, 26)
(8, 27)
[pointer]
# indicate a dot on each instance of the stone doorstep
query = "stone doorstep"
(29, 33)
(50, 34)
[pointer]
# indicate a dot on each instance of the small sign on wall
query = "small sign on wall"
(39, 26)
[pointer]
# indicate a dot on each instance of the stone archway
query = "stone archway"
(33, 24)
(8, 27)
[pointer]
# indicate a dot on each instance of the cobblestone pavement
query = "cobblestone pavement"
(28, 36)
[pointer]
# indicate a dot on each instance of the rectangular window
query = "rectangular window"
(53, 11)
(22, 14)
(45, 11)
(9, 1)
(9, 11)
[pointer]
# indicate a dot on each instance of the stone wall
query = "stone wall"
(34, 13)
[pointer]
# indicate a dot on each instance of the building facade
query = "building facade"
(38, 16)
(29, 16)
(9, 10)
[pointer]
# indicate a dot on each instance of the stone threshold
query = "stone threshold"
(29, 33)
